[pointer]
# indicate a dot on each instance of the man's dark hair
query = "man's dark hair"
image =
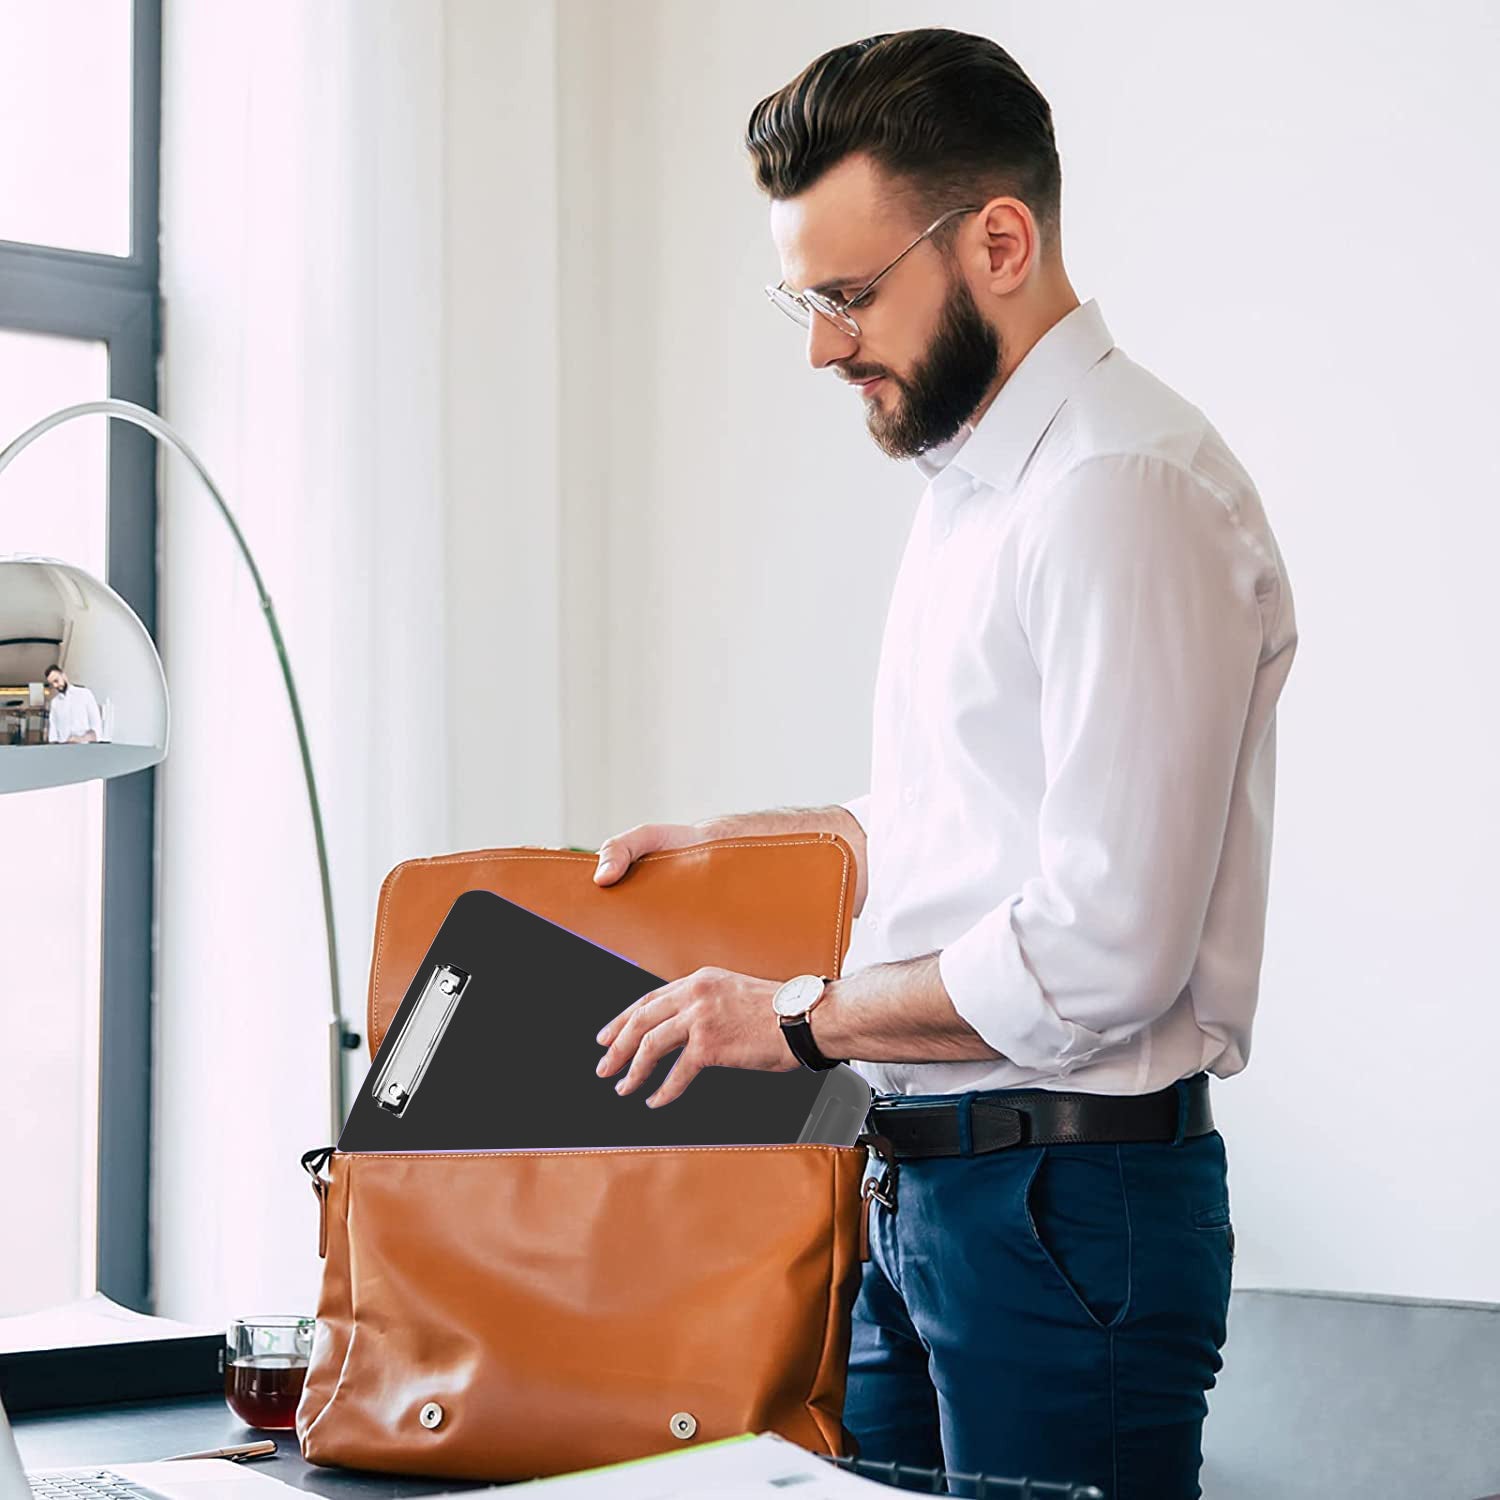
(50, 670)
(951, 116)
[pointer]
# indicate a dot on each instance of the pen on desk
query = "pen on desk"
(245, 1450)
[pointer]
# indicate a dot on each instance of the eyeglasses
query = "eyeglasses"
(800, 306)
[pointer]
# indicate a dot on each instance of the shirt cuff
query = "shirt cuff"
(985, 975)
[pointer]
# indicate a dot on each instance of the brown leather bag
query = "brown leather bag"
(508, 1314)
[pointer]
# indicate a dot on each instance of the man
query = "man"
(73, 717)
(1063, 852)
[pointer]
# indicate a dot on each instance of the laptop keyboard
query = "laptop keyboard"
(98, 1484)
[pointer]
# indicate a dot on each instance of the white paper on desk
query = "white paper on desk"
(743, 1468)
(87, 1322)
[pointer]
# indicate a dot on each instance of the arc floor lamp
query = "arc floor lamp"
(53, 611)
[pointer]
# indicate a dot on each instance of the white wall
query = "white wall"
(1288, 213)
(501, 645)
(743, 530)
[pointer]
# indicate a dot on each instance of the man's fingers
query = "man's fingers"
(647, 1011)
(655, 1045)
(614, 860)
(607, 1037)
(674, 1085)
(613, 1035)
(612, 1030)
(616, 854)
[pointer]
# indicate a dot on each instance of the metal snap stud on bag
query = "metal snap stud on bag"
(431, 1415)
(683, 1424)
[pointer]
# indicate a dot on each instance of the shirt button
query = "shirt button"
(908, 795)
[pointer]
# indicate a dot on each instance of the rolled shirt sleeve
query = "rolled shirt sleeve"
(1137, 588)
(860, 808)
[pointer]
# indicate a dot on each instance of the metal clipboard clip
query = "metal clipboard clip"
(420, 1037)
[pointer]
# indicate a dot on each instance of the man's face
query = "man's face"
(57, 681)
(925, 356)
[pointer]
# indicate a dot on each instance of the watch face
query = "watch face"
(793, 998)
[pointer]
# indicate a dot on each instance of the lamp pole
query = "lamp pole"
(339, 1037)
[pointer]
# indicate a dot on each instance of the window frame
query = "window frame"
(117, 300)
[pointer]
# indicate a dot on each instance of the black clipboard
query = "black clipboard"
(493, 1048)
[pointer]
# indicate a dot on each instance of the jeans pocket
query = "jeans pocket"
(1215, 1219)
(1079, 1217)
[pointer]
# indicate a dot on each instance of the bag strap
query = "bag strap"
(313, 1163)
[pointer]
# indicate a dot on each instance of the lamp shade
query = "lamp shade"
(52, 613)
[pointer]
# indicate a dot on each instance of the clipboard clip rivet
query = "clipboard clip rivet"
(431, 1415)
(683, 1424)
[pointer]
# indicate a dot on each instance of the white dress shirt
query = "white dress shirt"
(1073, 760)
(73, 712)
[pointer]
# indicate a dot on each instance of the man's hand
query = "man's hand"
(617, 854)
(717, 1018)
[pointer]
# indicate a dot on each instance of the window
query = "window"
(79, 319)
(65, 95)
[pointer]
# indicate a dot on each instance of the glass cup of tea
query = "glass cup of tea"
(265, 1363)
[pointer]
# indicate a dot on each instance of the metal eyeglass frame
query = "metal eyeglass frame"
(800, 306)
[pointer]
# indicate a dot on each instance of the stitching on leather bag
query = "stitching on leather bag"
(586, 1151)
(490, 856)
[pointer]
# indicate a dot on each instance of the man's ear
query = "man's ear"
(1007, 243)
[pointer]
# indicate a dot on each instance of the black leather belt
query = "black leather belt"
(976, 1123)
(973, 1124)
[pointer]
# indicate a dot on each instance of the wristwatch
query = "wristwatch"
(793, 1003)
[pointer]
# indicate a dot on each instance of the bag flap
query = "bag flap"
(769, 905)
(612, 1294)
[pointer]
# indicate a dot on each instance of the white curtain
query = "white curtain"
(302, 265)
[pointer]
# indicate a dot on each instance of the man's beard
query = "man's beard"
(938, 396)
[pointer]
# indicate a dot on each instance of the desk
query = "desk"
(142, 1430)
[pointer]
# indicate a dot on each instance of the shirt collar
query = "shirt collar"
(996, 448)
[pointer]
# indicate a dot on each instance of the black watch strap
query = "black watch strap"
(799, 1038)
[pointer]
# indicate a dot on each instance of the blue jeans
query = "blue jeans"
(1049, 1312)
